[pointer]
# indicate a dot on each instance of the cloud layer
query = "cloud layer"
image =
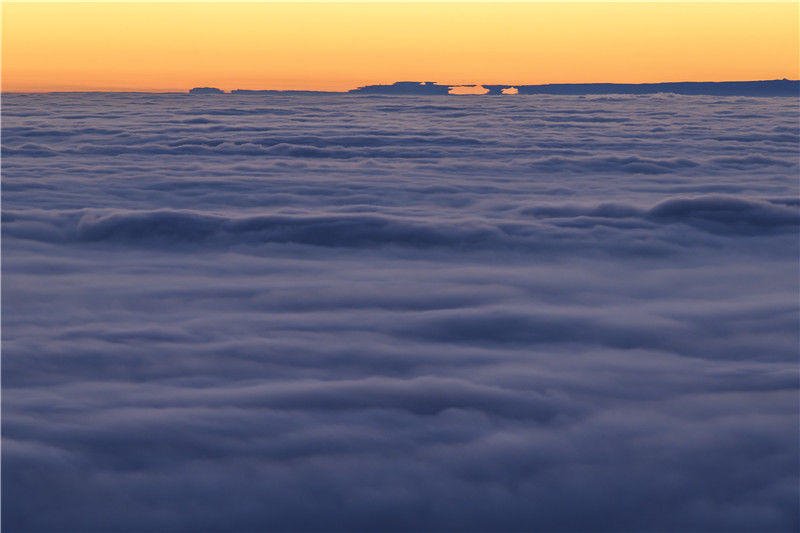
(341, 313)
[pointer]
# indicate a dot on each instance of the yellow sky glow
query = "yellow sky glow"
(159, 46)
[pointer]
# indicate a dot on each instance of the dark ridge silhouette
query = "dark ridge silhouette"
(206, 90)
(279, 92)
(495, 90)
(782, 87)
(404, 87)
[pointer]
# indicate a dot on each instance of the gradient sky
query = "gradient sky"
(160, 46)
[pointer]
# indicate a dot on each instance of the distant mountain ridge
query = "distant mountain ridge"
(781, 87)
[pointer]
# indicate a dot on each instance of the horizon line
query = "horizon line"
(453, 85)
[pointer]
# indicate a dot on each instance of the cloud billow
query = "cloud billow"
(341, 313)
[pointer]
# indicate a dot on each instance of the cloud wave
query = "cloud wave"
(341, 313)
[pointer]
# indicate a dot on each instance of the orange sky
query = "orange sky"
(160, 46)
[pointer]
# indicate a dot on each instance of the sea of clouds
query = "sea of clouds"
(343, 313)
